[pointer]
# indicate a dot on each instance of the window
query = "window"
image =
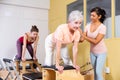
(106, 5)
(117, 18)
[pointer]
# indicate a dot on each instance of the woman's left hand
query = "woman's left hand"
(34, 58)
(77, 68)
(83, 36)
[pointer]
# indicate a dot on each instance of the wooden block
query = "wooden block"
(48, 74)
(24, 64)
(17, 65)
(89, 77)
(69, 75)
(38, 65)
(51, 74)
(30, 62)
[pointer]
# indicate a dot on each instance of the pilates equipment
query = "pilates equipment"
(86, 68)
(33, 75)
(9, 64)
(31, 62)
(3, 72)
(27, 65)
(26, 76)
(69, 73)
(1, 68)
(87, 71)
(1, 65)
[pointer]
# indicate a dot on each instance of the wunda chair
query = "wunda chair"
(69, 73)
(9, 64)
(34, 74)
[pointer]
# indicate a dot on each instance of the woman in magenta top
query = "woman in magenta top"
(26, 41)
(94, 33)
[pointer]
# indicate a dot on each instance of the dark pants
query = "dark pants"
(19, 49)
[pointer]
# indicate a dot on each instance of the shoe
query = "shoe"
(16, 59)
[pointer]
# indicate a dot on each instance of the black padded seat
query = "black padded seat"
(32, 76)
(66, 67)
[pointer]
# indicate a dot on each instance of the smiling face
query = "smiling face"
(34, 34)
(94, 17)
(74, 25)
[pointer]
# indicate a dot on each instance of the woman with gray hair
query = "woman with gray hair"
(58, 40)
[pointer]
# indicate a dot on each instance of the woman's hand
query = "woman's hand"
(34, 58)
(23, 59)
(77, 68)
(60, 68)
(83, 35)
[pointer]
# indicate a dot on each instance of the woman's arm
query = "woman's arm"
(96, 40)
(58, 46)
(35, 47)
(58, 57)
(81, 38)
(75, 53)
(24, 47)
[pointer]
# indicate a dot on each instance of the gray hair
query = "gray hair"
(75, 15)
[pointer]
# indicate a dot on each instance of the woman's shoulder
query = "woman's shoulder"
(27, 34)
(62, 25)
(102, 25)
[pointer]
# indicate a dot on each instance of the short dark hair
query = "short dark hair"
(99, 11)
(34, 28)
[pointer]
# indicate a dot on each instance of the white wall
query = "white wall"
(16, 19)
(28, 3)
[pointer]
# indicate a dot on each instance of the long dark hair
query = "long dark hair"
(99, 12)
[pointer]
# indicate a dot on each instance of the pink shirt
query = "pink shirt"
(100, 47)
(63, 34)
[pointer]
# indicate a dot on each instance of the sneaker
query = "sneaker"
(16, 59)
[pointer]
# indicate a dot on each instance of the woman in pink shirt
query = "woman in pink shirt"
(64, 34)
(94, 33)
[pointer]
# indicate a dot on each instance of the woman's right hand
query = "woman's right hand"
(34, 58)
(60, 68)
(23, 59)
(77, 68)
